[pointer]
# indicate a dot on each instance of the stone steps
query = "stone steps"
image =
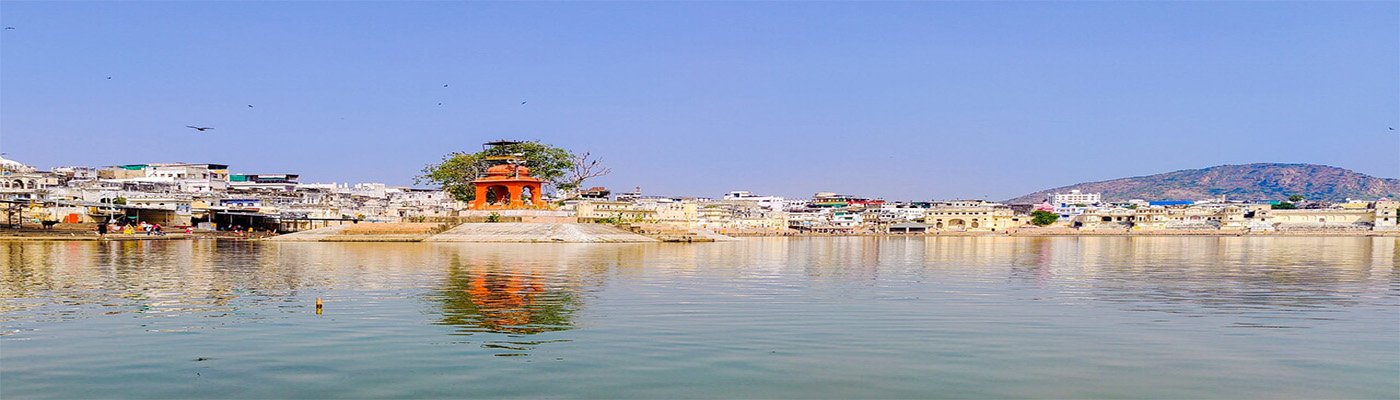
(672, 233)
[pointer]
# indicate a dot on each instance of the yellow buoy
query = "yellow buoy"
(318, 305)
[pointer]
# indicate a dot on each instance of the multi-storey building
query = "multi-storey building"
(986, 218)
(657, 211)
(1076, 197)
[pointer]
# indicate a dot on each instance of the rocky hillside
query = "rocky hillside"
(1238, 182)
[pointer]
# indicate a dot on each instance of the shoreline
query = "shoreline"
(1094, 234)
(113, 237)
(374, 239)
(94, 238)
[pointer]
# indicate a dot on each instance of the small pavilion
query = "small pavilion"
(507, 186)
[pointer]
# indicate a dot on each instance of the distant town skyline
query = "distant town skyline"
(909, 101)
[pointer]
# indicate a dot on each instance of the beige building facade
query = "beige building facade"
(973, 219)
(685, 214)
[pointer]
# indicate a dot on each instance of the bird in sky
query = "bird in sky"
(444, 85)
(522, 102)
(109, 77)
(439, 103)
(250, 106)
(1392, 128)
(9, 27)
(198, 128)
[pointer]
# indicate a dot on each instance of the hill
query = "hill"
(1267, 181)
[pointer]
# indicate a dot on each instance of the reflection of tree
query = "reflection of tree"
(504, 302)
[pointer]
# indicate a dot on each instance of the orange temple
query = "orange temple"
(508, 187)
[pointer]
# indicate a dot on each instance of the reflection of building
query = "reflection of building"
(505, 302)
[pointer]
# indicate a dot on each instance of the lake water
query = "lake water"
(946, 317)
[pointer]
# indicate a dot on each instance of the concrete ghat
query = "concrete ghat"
(506, 232)
(671, 233)
(368, 232)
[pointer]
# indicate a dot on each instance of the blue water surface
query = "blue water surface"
(861, 317)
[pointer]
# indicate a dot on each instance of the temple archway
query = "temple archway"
(507, 186)
(498, 195)
(957, 224)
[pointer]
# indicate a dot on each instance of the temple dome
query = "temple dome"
(13, 166)
(508, 169)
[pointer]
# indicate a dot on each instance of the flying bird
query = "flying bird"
(198, 128)
(250, 106)
(522, 102)
(439, 103)
(444, 85)
(109, 77)
(1392, 128)
(9, 27)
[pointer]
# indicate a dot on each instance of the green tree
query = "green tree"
(1043, 218)
(457, 170)
(119, 200)
(1283, 205)
(1295, 198)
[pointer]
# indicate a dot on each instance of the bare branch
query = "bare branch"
(585, 169)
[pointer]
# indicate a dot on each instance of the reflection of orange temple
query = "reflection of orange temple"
(505, 302)
(507, 186)
(481, 299)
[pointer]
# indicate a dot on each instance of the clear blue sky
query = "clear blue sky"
(908, 100)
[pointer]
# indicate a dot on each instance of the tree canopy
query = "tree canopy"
(1043, 218)
(455, 173)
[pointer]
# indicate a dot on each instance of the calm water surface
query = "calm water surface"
(771, 318)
